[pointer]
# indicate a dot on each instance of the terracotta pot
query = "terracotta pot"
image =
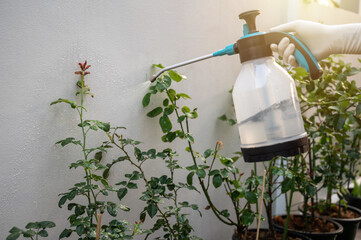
(303, 237)
(316, 235)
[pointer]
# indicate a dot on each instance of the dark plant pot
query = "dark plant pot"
(355, 202)
(316, 235)
(350, 225)
(303, 237)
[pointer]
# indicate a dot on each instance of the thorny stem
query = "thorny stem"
(88, 179)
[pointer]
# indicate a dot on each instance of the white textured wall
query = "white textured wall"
(40, 45)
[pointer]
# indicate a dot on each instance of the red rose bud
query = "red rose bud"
(81, 66)
(207, 208)
(85, 63)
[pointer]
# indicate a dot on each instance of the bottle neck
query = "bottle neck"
(260, 60)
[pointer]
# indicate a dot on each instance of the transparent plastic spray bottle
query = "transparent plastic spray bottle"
(268, 114)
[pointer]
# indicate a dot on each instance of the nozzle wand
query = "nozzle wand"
(229, 50)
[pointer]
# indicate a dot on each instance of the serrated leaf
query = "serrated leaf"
(122, 192)
(152, 210)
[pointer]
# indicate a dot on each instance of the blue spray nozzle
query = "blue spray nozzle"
(229, 50)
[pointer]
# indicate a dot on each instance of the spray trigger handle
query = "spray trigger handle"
(302, 54)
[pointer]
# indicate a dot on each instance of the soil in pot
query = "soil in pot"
(264, 235)
(349, 219)
(318, 228)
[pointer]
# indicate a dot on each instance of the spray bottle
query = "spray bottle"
(268, 114)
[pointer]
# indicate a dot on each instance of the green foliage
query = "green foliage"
(174, 123)
(95, 186)
(34, 230)
(161, 192)
(331, 110)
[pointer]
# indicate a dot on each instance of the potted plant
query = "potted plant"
(203, 166)
(331, 110)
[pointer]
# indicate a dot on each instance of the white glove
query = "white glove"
(322, 40)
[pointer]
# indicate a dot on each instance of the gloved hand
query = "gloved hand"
(322, 40)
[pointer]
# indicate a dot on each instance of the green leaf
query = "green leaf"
(251, 197)
(190, 138)
(207, 153)
(112, 210)
(80, 229)
(358, 109)
(201, 173)
(287, 185)
(190, 178)
(155, 112)
(217, 180)
(60, 100)
(186, 109)
(152, 210)
(43, 233)
(146, 99)
(65, 233)
(165, 123)
(122, 192)
(158, 66)
(31, 225)
(175, 76)
(62, 201)
(171, 94)
(181, 118)
(29, 233)
(13, 236)
(225, 213)
(98, 156)
(15, 230)
(223, 117)
(106, 173)
(47, 224)
(247, 217)
(183, 95)
(72, 194)
(132, 185)
(67, 141)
